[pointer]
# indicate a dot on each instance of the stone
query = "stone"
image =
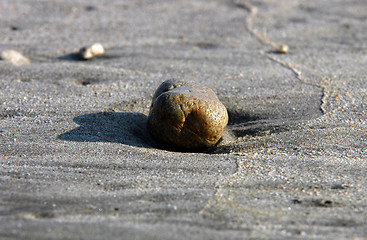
(14, 57)
(91, 51)
(283, 49)
(186, 115)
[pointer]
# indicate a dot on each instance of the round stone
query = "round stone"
(283, 48)
(187, 115)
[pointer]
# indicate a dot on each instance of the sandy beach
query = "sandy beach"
(78, 162)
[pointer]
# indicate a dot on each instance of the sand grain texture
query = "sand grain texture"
(77, 161)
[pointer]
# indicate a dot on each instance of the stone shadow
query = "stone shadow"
(130, 128)
(127, 128)
(242, 124)
(71, 57)
(75, 56)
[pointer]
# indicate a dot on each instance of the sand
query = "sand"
(77, 161)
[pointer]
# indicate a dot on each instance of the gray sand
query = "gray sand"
(77, 161)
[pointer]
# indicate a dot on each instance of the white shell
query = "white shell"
(15, 57)
(91, 51)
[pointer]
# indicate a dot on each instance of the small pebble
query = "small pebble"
(186, 115)
(14, 57)
(91, 51)
(283, 49)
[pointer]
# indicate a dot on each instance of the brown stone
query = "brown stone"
(187, 115)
